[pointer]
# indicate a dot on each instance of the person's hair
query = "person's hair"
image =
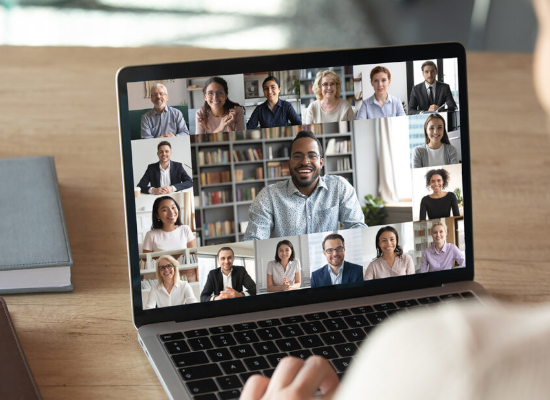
(157, 223)
(333, 236)
(271, 78)
(164, 143)
(398, 250)
(306, 134)
(224, 249)
(438, 223)
(378, 69)
(160, 85)
(317, 84)
(228, 103)
(445, 175)
(289, 244)
(428, 63)
(174, 262)
(445, 138)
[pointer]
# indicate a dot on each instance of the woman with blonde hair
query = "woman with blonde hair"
(328, 107)
(170, 290)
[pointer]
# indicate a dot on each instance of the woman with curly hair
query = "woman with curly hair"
(440, 203)
(328, 107)
(390, 260)
(218, 114)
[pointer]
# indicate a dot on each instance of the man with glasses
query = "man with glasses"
(337, 270)
(162, 120)
(306, 203)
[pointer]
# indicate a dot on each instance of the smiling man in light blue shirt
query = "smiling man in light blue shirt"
(306, 203)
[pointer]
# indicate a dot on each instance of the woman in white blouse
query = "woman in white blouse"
(171, 290)
(167, 231)
(284, 273)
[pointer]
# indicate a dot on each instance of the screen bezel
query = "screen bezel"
(289, 62)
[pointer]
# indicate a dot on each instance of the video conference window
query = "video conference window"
(221, 168)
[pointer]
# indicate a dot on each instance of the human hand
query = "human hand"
(294, 378)
(168, 134)
(167, 189)
(228, 293)
(286, 284)
(156, 191)
(433, 107)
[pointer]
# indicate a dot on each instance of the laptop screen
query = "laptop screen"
(263, 182)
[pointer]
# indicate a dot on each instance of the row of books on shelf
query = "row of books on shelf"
(338, 147)
(214, 157)
(210, 137)
(282, 131)
(239, 174)
(420, 246)
(219, 228)
(343, 164)
(246, 194)
(250, 154)
(277, 169)
(217, 197)
(209, 178)
(182, 259)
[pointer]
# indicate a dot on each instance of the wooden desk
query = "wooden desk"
(61, 102)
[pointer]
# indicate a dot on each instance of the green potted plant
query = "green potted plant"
(459, 200)
(374, 210)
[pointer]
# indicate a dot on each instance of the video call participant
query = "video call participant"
(381, 104)
(484, 364)
(165, 176)
(328, 107)
(430, 94)
(167, 231)
(438, 204)
(438, 149)
(227, 281)
(307, 202)
(390, 260)
(337, 270)
(274, 111)
(218, 114)
(171, 290)
(440, 255)
(162, 120)
(285, 272)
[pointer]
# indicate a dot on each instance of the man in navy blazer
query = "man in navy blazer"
(337, 270)
(430, 94)
(228, 281)
(166, 176)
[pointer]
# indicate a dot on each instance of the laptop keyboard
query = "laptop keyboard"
(215, 363)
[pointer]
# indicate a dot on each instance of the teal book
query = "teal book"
(35, 255)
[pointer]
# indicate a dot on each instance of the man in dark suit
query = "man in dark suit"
(430, 94)
(337, 270)
(228, 281)
(166, 176)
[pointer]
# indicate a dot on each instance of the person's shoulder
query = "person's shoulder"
(319, 271)
(344, 103)
(406, 257)
(443, 84)
(335, 180)
(450, 194)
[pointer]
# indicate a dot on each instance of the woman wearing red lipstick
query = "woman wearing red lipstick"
(171, 290)
(381, 104)
(218, 114)
(438, 149)
(328, 107)
(167, 231)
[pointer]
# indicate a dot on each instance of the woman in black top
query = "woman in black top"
(439, 203)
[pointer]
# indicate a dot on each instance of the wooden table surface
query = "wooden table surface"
(62, 102)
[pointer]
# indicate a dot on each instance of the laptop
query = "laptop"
(289, 204)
